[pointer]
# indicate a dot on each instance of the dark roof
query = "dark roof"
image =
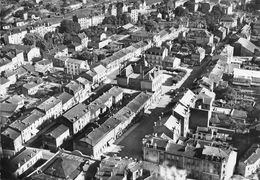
(76, 112)
(181, 150)
(65, 97)
(48, 104)
(11, 133)
(65, 165)
(155, 50)
(138, 102)
(97, 134)
(7, 107)
(24, 156)
(252, 155)
(57, 131)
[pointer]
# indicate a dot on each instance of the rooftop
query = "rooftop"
(252, 154)
(21, 158)
(64, 165)
(48, 104)
(64, 97)
(57, 131)
(74, 86)
(11, 133)
(76, 112)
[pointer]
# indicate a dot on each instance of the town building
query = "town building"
(97, 141)
(4, 85)
(79, 90)
(76, 118)
(44, 66)
(141, 77)
(171, 62)
(16, 100)
(113, 63)
(75, 66)
(27, 125)
(96, 75)
(155, 55)
(244, 47)
(55, 137)
(100, 139)
(198, 56)
(181, 110)
(250, 162)
(207, 162)
(199, 36)
(52, 107)
(66, 164)
(68, 101)
(31, 88)
(120, 168)
(11, 140)
(168, 127)
(24, 160)
(228, 22)
(246, 77)
(103, 103)
(7, 109)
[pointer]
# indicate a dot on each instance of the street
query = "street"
(131, 141)
(130, 144)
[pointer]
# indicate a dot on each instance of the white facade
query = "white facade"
(75, 67)
(134, 15)
(17, 37)
(52, 107)
(26, 159)
(34, 52)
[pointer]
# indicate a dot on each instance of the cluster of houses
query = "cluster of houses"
(193, 135)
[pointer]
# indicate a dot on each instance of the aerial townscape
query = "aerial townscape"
(130, 89)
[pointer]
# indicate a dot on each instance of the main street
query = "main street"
(131, 142)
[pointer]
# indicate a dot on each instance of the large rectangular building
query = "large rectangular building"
(204, 163)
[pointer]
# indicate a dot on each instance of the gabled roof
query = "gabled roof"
(76, 112)
(248, 45)
(99, 69)
(252, 155)
(22, 157)
(64, 97)
(56, 132)
(64, 165)
(49, 103)
(11, 133)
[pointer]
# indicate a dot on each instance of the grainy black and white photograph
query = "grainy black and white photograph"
(129, 89)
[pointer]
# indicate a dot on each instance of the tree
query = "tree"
(204, 8)
(110, 20)
(124, 19)
(42, 45)
(29, 39)
(141, 19)
(67, 39)
(151, 26)
(101, 57)
(217, 12)
(189, 5)
(68, 26)
(225, 93)
(35, 39)
(180, 11)
(18, 14)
